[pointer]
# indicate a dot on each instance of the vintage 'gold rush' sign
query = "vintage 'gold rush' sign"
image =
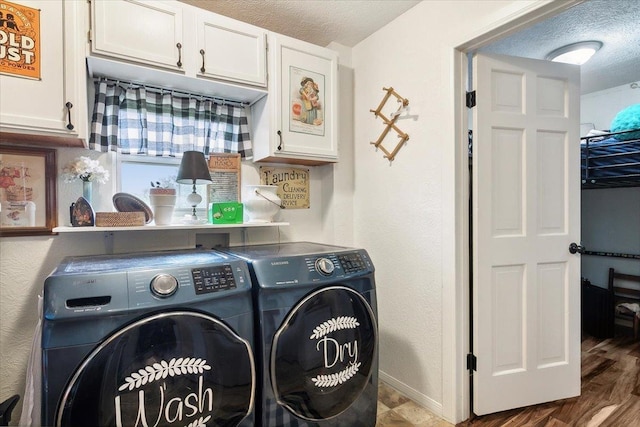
(293, 185)
(20, 53)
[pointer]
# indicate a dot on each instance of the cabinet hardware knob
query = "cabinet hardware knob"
(179, 63)
(280, 144)
(69, 107)
(202, 69)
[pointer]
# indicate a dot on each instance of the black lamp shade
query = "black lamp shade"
(193, 169)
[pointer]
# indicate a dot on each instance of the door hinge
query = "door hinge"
(89, 36)
(471, 99)
(472, 362)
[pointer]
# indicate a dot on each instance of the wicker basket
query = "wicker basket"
(119, 219)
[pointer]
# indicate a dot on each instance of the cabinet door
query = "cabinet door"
(231, 50)
(148, 32)
(305, 89)
(39, 106)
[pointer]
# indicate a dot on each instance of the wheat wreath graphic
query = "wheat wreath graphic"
(200, 422)
(162, 369)
(335, 324)
(337, 378)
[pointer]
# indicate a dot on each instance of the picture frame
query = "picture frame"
(306, 110)
(27, 191)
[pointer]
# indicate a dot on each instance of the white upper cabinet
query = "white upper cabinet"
(298, 123)
(149, 32)
(231, 50)
(180, 38)
(54, 104)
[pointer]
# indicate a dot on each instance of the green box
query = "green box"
(225, 213)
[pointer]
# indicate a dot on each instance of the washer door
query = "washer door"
(323, 353)
(169, 369)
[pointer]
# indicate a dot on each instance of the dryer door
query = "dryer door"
(169, 369)
(323, 353)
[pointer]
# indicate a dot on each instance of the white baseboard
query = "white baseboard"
(421, 399)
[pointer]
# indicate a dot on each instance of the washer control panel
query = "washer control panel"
(213, 279)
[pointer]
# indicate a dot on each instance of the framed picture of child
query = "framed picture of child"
(307, 98)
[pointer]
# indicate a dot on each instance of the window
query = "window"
(149, 128)
(136, 173)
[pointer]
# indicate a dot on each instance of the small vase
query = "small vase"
(262, 203)
(86, 190)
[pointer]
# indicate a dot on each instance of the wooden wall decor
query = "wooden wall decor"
(391, 123)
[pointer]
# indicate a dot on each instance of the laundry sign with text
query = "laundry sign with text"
(20, 53)
(292, 183)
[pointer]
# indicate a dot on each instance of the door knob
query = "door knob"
(574, 247)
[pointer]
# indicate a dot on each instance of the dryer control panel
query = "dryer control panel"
(312, 269)
(352, 262)
(344, 263)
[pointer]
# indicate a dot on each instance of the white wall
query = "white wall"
(405, 212)
(601, 107)
(610, 217)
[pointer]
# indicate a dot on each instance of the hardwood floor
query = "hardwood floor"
(610, 392)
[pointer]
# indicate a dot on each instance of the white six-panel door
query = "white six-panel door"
(526, 212)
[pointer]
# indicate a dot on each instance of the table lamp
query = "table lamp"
(193, 170)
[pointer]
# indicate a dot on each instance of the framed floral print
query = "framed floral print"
(27, 191)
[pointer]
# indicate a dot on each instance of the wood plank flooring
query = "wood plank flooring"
(610, 392)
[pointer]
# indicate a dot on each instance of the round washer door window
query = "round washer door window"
(169, 369)
(323, 353)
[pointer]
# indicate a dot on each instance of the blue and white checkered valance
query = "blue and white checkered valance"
(134, 119)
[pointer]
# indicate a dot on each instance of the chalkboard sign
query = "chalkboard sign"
(225, 178)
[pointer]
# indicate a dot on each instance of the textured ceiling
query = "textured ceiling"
(616, 23)
(320, 22)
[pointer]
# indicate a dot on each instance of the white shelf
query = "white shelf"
(203, 227)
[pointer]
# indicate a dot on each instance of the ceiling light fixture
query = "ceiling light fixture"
(576, 53)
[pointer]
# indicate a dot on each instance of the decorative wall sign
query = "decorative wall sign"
(19, 40)
(293, 185)
(27, 191)
(225, 178)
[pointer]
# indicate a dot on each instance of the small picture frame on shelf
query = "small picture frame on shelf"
(27, 190)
